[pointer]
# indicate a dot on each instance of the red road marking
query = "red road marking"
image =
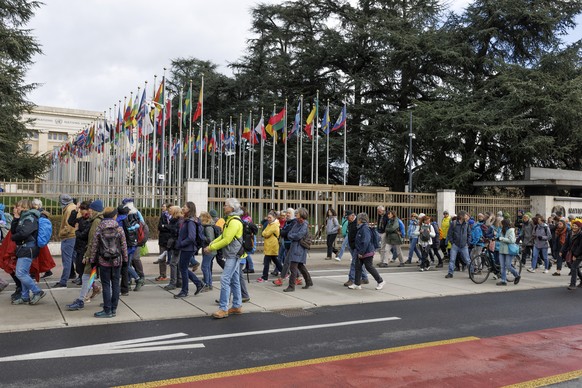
(489, 362)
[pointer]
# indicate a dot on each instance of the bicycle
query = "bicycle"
(482, 265)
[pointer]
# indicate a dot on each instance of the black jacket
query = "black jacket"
(285, 231)
(24, 232)
(82, 232)
(352, 232)
(382, 221)
(174, 228)
(164, 231)
(575, 245)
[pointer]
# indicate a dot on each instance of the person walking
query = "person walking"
(562, 235)
(173, 253)
(210, 235)
(79, 219)
(424, 233)
(352, 231)
(459, 235)
(164, 234)
(108, 251)
(394, 235)
(187, 245)
(230, 241)
(364, 251)
(67, 236)
(542, 236)
(271, 246)
(291, 220)
(332, 227)
(574, 251)
(506, 239)
(381, 228)
(298, 253)
(344, 232)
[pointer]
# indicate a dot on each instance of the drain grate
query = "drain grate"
(293, 313)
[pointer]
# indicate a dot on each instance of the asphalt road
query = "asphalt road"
(482, 315)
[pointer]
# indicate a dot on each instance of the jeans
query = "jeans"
(505, 261)
(131, 271)
(414, 249)
(67, 255)
(207, 269)
(424, 250)
(536, 253)
(163, 267)
(527, 249)
(186, 273)
(244, 293)
(464, 251)
(266, 264)
(250, 265)
(330, 244)
(230, 282)
(343, 248)
(398, 252)
(23, 274)
(111, 280)
(367, 262)
(175, 276)
(352, 274)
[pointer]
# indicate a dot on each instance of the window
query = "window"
(57, 136)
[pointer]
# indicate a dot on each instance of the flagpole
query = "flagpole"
(180, 152)
(345, 143)
(327, 145)
(240, 149)
(300, 142)
(316, 131)
(286, 141)
(213, 153)
(261, 166)
(312, 149)
(215, 141)
(167, 181)
(274, 138)
(201, 126)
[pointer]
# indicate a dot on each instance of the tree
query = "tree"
(17, 47)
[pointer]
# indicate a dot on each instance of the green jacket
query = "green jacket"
(231, 238)
(393, 236)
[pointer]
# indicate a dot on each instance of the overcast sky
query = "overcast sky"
(95, 52)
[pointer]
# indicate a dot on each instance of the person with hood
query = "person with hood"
(24, 229)
(364, 251)
(95, 218)
(297, 253)
(108, 251)
(128, 273)
(67, 236)
(271, 246)
(79, 220)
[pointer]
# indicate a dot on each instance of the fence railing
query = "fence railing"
(476, 204)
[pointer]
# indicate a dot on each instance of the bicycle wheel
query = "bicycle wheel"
(479, 269)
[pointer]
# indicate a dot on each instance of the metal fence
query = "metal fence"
(476, 204)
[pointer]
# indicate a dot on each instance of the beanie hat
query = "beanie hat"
(578, 223)
(65, 199)
(471, 221)
(349, 212)
(421, 215)
(97, 205)
(122, 209)
(528, 214)
(213, 213)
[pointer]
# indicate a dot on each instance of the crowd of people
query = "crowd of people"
(105, 243)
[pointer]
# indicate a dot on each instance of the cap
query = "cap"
(349, 212)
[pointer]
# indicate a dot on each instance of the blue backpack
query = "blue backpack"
(374, 238)
(45, 232)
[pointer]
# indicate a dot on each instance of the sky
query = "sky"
(95, 52)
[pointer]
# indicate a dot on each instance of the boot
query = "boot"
(289, 289)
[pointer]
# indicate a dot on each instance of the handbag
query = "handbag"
(306, 241)
(513, 249)
(569, 257)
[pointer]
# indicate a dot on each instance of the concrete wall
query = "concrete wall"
(196, 190)
(445, 201)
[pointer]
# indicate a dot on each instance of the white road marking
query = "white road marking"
(168, 342)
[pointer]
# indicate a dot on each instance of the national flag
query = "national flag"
(341, 120)
(187, 106)
(159, 96)
(309, 122)
(127, 114)
(119, 123)
(297, 121)
(260, 128)
(276, 122)
(246, 134)
(212, 143)
(325, 124)
(198, 111)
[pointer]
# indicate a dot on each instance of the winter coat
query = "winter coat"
(209, 234)
(459, 234)
(352, 232)
(542, 236)
(416, 234)
(381, 224)
(412, 226)
(297, 253)
(271, 239)
(94, 254)
(476, 235)
(187, 235)
(164, 231)
(332, 226)
(285, 232)
(82, 232)
(230, 240)
(505, 240)
(526, 235)
(364, 246)
(24, 233)
(66, 231)
(575, 245)
(393, 233)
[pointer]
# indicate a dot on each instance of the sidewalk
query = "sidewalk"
(154, 303)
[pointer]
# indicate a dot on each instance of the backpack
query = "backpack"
(424, 233)
(109, 243)
(131, 233)
(306, 241)
(45, 232)
(201, 240)
(143, 234)
(375, 240)
(249, 238)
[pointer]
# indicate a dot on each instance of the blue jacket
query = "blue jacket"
(297, 253)
(187, 236)
(364, 240)
(476, 234)
(412, 225)
(401, 225)
(459, 234)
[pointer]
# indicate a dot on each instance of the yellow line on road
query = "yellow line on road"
(266, 368)
(542, 382)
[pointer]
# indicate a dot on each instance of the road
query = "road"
(201, 345)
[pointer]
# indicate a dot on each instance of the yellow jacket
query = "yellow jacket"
(271, 236)
(445, 225)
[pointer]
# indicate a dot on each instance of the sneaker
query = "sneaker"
(298, 282)
(278, 282)
(37, 297)
(355, 287)
(401, 265)
(113, 313)
(76, 305)
(103, 314)
(427, 268)
(16, 294)
(275, 273)
(196, 266)
(421, 269)
(180, 295)
(235, 311)
(517, 279)
(59, 285)
(261, 280)
(545, 271)
(448, 276)
(328, 258)
(139, 284)
(365, 281)
(2, 287)
(439, 265)
(289, 289)
(169, 287)
(556, 274)
(348, 283)
(161, 279)
(571, 288)
(501, 284)
(531, 270)
(245, 300)
(383, 265)
(249, 271)
(86, 299)
(199, 289)
(381, 285)
(20, 301)
(47, 274)
(337, 258)
(220, 314)
(125, 294)
(494, 277)
(78, 281)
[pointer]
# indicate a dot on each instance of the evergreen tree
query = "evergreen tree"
(17, 47)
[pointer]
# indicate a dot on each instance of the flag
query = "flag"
(159, 96)
(276, 122)
(309, 121)
(260, 128)
(297, 121)
(127, 114)
(187, 106)
(325, 124)
(212, 143)
(198, 111)
(341, 120)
